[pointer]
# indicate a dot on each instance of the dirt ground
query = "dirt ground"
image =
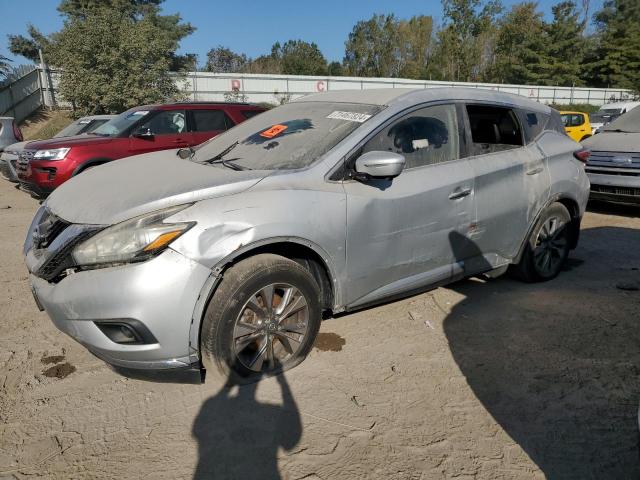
(482, 379)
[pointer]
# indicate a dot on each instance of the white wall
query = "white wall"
(204, 86)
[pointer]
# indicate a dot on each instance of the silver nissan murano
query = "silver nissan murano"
(227, 256)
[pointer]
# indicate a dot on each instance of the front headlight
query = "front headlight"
(132, 240)
(51, 154)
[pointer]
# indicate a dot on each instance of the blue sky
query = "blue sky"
(248, 26)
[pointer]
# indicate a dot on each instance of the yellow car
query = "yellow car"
(577, 125)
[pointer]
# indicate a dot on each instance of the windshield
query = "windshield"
(288, 137)
(629, 122)
(83, 125)
(121, 123)
(600, 117)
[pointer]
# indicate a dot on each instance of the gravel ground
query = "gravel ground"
(482, 379)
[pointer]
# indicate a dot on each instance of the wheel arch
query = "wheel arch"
(574, 211)
(305, 252)
(94, 162)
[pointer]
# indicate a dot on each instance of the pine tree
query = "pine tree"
(567, 45)
(615, 61)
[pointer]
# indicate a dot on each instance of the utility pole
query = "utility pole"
(46, 82)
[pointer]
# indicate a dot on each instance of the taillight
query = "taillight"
(582, 155)
(17, 132)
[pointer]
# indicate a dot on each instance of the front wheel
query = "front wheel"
(548, 246)
(262, 319)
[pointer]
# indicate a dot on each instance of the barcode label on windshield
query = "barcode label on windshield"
(350, 116)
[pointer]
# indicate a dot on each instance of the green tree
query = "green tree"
(113, 60)
(615, 61)
(414, 38)
(522, 47)
(372, 48)
(464, 50)
(224, 60)
(567, 44)
(335, 69)
(5, 68)
(28, 46)
(80, 10)
(302, 58)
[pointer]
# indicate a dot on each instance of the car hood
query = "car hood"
(63, 142)
(126, 188)
(16, 147)
(613, 142)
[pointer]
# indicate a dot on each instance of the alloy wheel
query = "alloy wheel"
(551, 246)
(271, 327)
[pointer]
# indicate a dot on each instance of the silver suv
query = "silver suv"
(227, 256)
(614, 164)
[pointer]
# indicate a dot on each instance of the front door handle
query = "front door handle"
(459, 193)
(535, 171)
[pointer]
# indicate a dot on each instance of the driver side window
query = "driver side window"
(167, 122)
(425, 137)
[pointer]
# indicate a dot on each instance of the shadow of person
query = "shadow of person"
(556, 363)
(239, 437)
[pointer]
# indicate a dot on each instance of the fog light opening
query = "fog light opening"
(129, 332)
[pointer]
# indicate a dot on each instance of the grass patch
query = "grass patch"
(44, 124)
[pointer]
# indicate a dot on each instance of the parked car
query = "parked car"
(9, 132)
(47, 164)
(614, 165)
(576, 124)
(226, 255)
(608, 113)
(81, 126)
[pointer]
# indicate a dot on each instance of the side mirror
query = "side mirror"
(380, 165)
(144, 133)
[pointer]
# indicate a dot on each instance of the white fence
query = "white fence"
(204, 86)
(38, 87)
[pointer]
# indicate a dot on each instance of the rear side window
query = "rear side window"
(554, 123)
(247, 114)
(493, 129)
(210, 120)
(533, 123)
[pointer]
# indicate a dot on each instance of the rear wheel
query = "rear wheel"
(262, 319)
(548, 246)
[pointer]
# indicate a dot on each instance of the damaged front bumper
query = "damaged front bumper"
(153, 300)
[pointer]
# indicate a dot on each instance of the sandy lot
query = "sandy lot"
(483, 379)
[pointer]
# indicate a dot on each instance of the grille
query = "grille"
(48, 229)
(62, 259)
(24, 158)
(630, 191)
(619, 160)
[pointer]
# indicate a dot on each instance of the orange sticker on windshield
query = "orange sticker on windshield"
(273, 131)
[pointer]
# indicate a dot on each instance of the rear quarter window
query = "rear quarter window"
(247, 114)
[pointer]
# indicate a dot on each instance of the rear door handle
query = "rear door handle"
(535, 171)
(459, 193)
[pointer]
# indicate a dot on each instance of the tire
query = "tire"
(584, 138)
(242, 338)
(547, 247)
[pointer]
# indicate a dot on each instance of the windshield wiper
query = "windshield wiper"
(227, 163)
(222, 153)
(230, 164)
